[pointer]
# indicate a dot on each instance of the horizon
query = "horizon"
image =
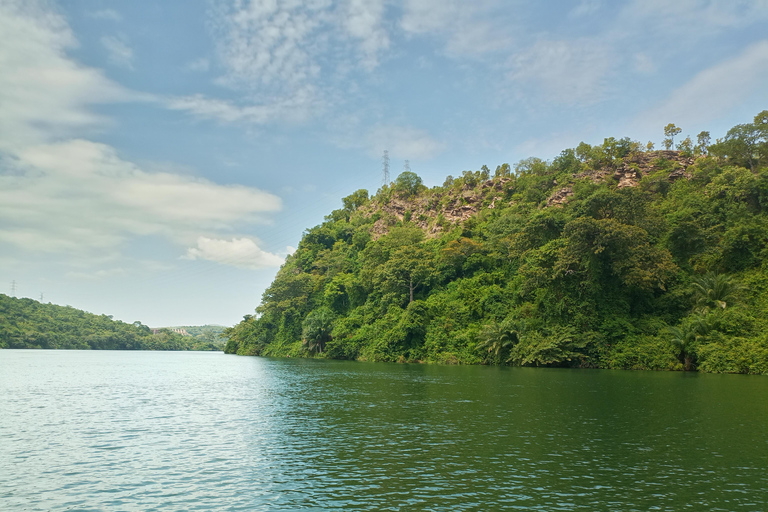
(158, 162)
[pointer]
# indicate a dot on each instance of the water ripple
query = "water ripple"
(197, 431)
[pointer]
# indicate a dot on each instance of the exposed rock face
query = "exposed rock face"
(560, 197)
(632, 169)
(434, 210)
(454, 206)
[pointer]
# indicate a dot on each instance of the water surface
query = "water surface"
(102, 430)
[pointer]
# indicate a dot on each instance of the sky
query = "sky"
(159, 160)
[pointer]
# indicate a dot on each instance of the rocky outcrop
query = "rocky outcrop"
(435, 210)
(560, 197)
(632, 169)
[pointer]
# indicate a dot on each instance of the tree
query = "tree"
(684, 340)
(714, 290)
(670, 131)
(702, 143)
(409, 266)
(745, 144)
(316, 330)
(354, 201)
(685, 147)
(497, 339)
(557, 345)
(408, 182)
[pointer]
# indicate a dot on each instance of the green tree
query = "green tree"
(408, 268)
(496, 339)
(702, 143)
(685, 147)
(408, 182)
(714, 290)
(670, 131)
(316, 330)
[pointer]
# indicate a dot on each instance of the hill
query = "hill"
(609, 256)
(205, 333)
(27, 323)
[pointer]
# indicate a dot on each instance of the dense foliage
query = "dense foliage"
(27, 323)
(610, 256)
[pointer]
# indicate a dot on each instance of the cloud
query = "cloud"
(643, 64)
(96, 275)
(290, 59)
(295, 108)
(696, 16)
(44, 95)
(585, 8)
(466, 28)
(80, 197)
(120, 54)
(200, 65)
(564, 71)
(402, 142)
(713, 92)
(362, 20)
(237, 252)
(63, 194)
(106, 14)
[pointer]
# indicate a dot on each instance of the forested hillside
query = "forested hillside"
(610, 256)
(27, 323)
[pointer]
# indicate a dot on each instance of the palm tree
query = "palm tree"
(316, 330)
(714, 290)
(685, 337)
(497, 339)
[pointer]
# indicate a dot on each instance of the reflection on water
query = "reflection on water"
(166, 431)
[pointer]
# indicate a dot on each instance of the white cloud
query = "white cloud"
(402, 142)
(120, 54)
(294, 108)
(713, 92)
(696, 16)
(106, 14)
(67, 195)
(96, 275)
(43, 94)
(586, 8)
(80, 197)
(644, 64)
(362, 20)
(467, 28)
(289, 57)
(237, 252)
(200, 65)
(568, 72)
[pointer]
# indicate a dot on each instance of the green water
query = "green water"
(202, 431)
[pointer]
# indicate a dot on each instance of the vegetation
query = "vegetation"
(27, 323)
(211, 334)
(609, 256)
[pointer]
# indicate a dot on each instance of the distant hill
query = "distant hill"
(27, 323)
(208, 333)
(609, 256)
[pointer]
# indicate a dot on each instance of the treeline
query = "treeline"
(27, 323)
(609, 256)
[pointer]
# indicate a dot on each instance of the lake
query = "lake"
(104, 430)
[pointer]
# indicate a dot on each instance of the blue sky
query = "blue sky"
(158, 160)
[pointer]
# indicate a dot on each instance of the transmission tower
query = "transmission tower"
(407, 166)
(13, 288)
(385, 164)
